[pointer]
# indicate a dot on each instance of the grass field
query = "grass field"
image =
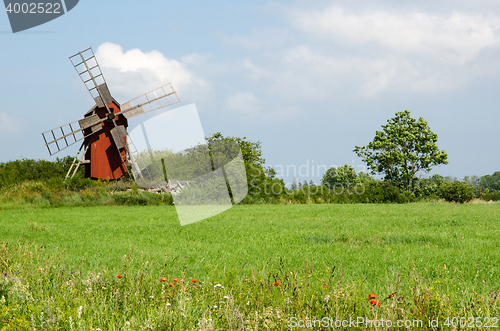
(427, 250)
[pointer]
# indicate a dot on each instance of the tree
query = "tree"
(261, 180)
(343, 176)
(491, 182)
(251, 151)
(403, 148)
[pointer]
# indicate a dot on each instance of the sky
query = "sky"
(310, 80)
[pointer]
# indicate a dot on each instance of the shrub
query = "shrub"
(34, 170)
(495, 196)
(456, 192)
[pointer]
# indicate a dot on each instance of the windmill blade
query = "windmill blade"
(161, 97)
(88, 69)
(123, 140)
(66, 135)
(62, 137)
(118, 133)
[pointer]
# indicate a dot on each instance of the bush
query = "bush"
(494, 196)
(456, 192)
(18, 171)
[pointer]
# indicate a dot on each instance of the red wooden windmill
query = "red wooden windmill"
(106, 146)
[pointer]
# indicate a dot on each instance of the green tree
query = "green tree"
(343, 176)
(491, 182)
(403, 148)
(251, 151)
(262, 181)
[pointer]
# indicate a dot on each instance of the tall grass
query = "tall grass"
(38, 292)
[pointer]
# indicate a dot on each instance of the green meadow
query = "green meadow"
(267, 262)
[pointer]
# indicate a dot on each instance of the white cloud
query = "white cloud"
(134, 72)
(9, 123)
(338, 54)
(455, 38)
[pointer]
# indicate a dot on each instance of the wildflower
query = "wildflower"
(218, 285)
(176, 280)
(120, 276)
(391, 295)
(5, 274)
(163, 279)
(171, 285)
(168, 305)
(194, 280)
(371, 296)
(374, 302)
(325, 286)
(277, 283)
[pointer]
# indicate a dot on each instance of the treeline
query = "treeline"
(344, 185)
(41, 183)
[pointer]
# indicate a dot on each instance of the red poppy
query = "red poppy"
(371, 296)
(171, 285)
(391, 295)
(325, 286)
(176, 280)
(194, 280)
(120, 276)
(163, 279)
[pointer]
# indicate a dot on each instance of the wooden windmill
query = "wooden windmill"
(107, 148)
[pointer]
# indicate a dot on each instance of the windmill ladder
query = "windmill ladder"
(80, 161)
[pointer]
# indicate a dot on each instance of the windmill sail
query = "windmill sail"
(62, 137)
(161, 97)
(88, 69)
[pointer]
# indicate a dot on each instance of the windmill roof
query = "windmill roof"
(91, 110)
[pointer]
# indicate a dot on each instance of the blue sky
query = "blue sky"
(310, 81)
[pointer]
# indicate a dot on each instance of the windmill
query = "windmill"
(107, 148)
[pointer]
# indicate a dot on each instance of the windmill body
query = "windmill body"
(107, 149)
(103, 159)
